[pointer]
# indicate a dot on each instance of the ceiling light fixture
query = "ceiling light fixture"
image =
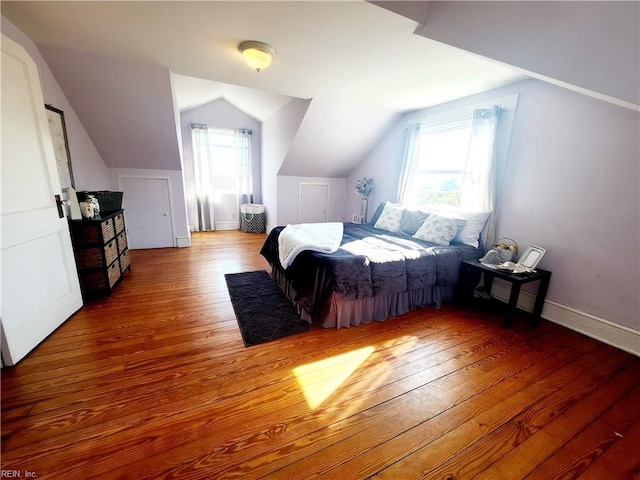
(258, 55)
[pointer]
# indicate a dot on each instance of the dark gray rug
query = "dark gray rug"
(262, 310)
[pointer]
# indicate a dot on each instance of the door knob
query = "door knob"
(59, 203)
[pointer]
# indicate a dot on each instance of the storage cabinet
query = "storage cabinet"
(101, 251)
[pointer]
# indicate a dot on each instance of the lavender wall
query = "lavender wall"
(383, 165)
(89, 171)
(571, 185)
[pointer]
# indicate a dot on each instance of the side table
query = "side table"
(471, 270)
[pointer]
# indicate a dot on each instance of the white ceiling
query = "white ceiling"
(349, 52)
(192, 92)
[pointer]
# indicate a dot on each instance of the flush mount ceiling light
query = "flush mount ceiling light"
(258, 55)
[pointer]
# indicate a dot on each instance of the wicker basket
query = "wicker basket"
(109, 201)
(506, 254)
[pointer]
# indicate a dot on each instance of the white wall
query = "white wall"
(180, 202)
(89, 171)
(289, 198)
(278, 131)
(333, 137)
(571, 185)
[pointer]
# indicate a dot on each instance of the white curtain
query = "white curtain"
(478, 187)
(245, 166)
(482, 175)
(410, 155)
(202, 191)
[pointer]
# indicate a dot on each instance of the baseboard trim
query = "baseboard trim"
(227, 226)
(603, 330)
(183, 242)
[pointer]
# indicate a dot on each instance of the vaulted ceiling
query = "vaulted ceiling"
(348, 51)
(360, 64)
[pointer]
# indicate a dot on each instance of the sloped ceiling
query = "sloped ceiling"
(350, 51)
(192, 92)
(332, 138)
(589, 47)
(340, 54)
(125, 107)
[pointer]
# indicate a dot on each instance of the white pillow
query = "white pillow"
(470, 232)
(390, 218)
(439, 230)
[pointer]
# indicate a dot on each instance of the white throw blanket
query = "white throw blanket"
(318, 237)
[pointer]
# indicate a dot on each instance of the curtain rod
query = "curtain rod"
(204, 126)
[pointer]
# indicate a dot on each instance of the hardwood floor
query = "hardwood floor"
(156, 383)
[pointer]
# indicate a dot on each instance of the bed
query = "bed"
(375, 274)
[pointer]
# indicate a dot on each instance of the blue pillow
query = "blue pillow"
(377, 214)
(412, 220)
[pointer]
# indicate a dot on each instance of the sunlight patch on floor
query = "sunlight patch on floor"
(318, 380)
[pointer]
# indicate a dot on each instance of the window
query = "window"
(449, 161)
(440, 168)
(220, 179)
(224, 155)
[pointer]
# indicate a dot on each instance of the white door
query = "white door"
(39, 282)
(147, 211)
(314, 202)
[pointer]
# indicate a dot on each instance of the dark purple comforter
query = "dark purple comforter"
(370, 262)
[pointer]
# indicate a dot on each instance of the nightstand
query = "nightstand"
(470, 271)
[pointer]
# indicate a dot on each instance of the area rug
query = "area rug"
(262, 311)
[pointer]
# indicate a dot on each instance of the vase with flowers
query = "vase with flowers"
(364, 187)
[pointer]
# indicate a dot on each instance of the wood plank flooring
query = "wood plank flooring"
(155, 383)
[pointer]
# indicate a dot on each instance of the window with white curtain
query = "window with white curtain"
(449, 162)
(222, 175)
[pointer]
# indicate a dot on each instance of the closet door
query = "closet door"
(314, 202)
(147, 210)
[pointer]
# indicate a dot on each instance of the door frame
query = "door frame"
(322, 184)
(119, 178)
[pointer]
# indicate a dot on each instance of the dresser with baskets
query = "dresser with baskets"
(101, 251)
